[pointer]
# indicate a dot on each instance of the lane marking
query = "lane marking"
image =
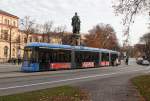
(58, 81)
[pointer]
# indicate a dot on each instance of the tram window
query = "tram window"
(105, 57)
(34, 57)
(86, 56)
(47, 57)
(60, 56)
(27, 54)
(114, 56)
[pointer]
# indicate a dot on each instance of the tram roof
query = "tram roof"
(114, 52)
(82, 48)
(110, 51)
(47, 45)
(78, 48)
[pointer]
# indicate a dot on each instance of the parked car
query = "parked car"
(139, 61)
(142, 61)
(145, 62)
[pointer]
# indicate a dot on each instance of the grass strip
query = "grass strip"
(143, 85)
(63, 93)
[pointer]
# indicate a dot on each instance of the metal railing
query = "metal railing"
(3, 60)
(13, 60)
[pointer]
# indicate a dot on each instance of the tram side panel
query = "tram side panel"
(60, 59)
(104, 59)
(73, 63)
(44, 59)
(86, 59)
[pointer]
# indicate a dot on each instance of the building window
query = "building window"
(5, 51)
(14, 23)
(13, 54)
(4, 34)
(18, 39)
(30, 39)
(36, 39)
(41, 40)
(5, 21)
(25, 40)
(8, 22)
(18, 52)
(1, 34)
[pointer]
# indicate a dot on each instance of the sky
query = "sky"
(91, 12)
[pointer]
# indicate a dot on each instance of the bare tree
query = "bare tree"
(47, 29)
(61, 31)
(129, 9)
(28, 26)
(67, 39)
(17, 40)
(146, 39)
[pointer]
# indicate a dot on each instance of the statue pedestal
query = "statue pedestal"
(76, 39)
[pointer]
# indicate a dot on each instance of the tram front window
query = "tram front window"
(27, 54)
(31, 54)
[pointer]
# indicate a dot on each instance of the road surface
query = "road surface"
(100, 82)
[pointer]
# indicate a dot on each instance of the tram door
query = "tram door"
(43, 59)
(113, 58)
(104, 59)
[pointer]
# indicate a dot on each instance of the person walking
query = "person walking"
(19, 58)
(117, 61)
(127, 60)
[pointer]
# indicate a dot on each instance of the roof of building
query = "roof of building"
(41, 34)
(8, 14)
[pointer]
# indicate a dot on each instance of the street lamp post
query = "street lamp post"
(10, 42)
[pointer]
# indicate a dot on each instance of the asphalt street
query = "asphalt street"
(99, 82)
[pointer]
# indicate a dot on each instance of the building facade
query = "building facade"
(13, 40)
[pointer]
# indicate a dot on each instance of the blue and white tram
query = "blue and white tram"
(44, 57)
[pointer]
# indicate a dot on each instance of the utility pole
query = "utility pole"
(149, 22)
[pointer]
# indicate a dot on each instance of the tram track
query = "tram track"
(59, 74)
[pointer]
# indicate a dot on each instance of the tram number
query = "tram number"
(87, 64)
(60, 65)
(107, 63)
(102, 63)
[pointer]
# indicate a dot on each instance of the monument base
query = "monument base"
(76, 39)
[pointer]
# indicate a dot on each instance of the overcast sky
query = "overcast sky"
(91, 12)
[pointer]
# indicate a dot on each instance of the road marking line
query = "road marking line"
(51, 82)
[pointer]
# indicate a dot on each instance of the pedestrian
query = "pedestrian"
(14, 61)
(19, 58)
(112, 61)
(117, 61)
(127, 60)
